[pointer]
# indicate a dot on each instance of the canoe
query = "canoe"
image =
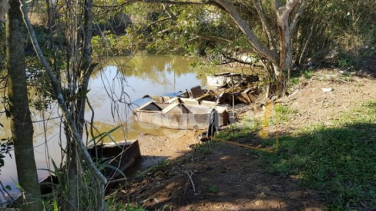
(179, 115)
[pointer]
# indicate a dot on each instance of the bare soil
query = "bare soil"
(229, 177)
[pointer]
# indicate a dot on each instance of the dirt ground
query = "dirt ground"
(231, 177)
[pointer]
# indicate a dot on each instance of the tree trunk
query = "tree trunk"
(21, 124)
(85, 69)
(67, 113)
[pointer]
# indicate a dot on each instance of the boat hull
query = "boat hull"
(181, 116)
(116, 157)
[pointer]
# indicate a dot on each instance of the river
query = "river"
(116, 88)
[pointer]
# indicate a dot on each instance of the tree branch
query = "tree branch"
(265, 24)
(290, 4)
(297, 15)
(242, 24)
(271, 55)
(58, 94)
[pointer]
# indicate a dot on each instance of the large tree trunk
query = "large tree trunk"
(21, 124)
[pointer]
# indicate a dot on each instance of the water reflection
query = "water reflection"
(154, 75)
(115, 89)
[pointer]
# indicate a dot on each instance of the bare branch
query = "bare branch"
(265, 24)
(58, 94)
(297, 15)
(242, 24)
(290, 4)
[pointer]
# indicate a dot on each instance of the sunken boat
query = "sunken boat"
(115, 157)
(179, 115)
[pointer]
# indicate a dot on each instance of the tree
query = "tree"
(21, 124)
(274, 42)
(71, 99)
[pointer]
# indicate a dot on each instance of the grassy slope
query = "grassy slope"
(338, 161)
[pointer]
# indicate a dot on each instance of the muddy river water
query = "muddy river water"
(115, 89)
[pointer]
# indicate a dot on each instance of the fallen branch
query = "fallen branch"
(190, 174)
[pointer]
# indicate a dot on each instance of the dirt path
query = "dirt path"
(227, 177)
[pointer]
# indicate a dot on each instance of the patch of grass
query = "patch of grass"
(122, 207)
(246, 127)
(161, 165)
(205, 148)
(113, 205)
(284, 113)
(293, 81)
(307, 74)
(213, 189)
(338, 161)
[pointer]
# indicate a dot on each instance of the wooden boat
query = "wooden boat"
(229, 79)
(179, 115)
(191, 101)
(196, 96)
(115, 158)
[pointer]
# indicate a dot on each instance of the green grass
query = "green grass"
(205, 148)
(337, 161)
(284, 113)
(213, 189)
(308, 74)
(246, 127)
(123, 207)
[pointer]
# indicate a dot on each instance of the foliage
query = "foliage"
(111, 45)
(6, 146)
(346, 26)
(190, 29)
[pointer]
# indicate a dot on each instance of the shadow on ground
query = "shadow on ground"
(329, 168)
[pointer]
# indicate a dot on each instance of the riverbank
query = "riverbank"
(325, 135)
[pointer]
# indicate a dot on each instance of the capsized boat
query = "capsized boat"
(179, 115)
